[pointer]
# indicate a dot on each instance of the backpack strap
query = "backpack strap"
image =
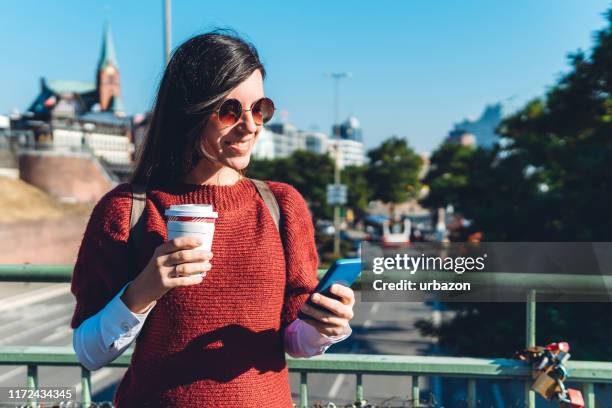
(137, 221)
(269, 199)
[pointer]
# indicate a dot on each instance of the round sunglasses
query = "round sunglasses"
(230, 111)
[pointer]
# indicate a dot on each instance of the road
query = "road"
(378, 328)
(39, 314)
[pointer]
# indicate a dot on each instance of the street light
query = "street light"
(167, 30)
(337, 76)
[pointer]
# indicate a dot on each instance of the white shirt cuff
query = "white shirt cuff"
(303, 340)
(119, 326)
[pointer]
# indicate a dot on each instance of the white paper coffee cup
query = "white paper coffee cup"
(193, 220)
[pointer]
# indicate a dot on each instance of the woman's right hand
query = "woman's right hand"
(174, 263)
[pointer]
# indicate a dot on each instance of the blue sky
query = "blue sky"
(418, 66)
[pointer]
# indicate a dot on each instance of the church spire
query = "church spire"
(108, 84)
(107, 56)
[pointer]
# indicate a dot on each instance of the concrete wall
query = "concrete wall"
(9, 166)
(45, 241)
(75, 177)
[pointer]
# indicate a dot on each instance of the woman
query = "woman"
(212, 332)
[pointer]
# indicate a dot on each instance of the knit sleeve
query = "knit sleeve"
(297, 233)
(103, 263)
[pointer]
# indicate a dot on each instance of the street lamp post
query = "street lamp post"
(167, 30)
(337, 207)
(337, 76)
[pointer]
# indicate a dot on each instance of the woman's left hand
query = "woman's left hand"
(334, 320)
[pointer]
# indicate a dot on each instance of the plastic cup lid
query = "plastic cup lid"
(192, 210)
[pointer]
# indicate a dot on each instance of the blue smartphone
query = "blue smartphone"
(343, 272)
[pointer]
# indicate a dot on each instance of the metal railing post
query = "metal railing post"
(415, 391)
(32, 382)
(85, 387)
(589, 395)
(471, 393)
(303, 389)
(530, 340)
(359, 390)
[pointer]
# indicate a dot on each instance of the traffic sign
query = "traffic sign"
(336, 194)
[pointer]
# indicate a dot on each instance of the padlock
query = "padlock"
(574, 399)
(546, 386)
(563, 346)
(568, 397)
(556, 347)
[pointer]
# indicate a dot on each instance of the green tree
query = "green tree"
(393, 173)
(308, 172)
(359, 192)
(449, 175)
(263, 169)
(550, 180)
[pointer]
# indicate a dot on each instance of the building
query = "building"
(348, 140)
(316, 142)
(286, 139)
(264, 145)
(8, 146)
(280, 140)
(82, 116)
(349, 130)
(5, 122)
(351, 151)
(484, 128)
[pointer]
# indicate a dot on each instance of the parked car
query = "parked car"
(325, 227)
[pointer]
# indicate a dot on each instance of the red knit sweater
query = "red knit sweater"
(220, 343)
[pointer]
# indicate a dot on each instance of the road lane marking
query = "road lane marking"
(60, 333)
(39, 295)
(30, 318)
(12, 373)
(32, 330)
(333, 391)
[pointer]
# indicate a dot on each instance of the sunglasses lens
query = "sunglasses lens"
(230, 112)
(263, 110)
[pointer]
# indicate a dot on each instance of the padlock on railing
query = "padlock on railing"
(574, 399)
(546, 385)
(568, 397)
(549, 373)
(561, 346)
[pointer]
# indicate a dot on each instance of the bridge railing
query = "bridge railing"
(587, 373)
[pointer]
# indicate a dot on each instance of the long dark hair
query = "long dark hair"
(202, 72)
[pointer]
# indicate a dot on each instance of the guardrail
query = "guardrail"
(586, 372)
